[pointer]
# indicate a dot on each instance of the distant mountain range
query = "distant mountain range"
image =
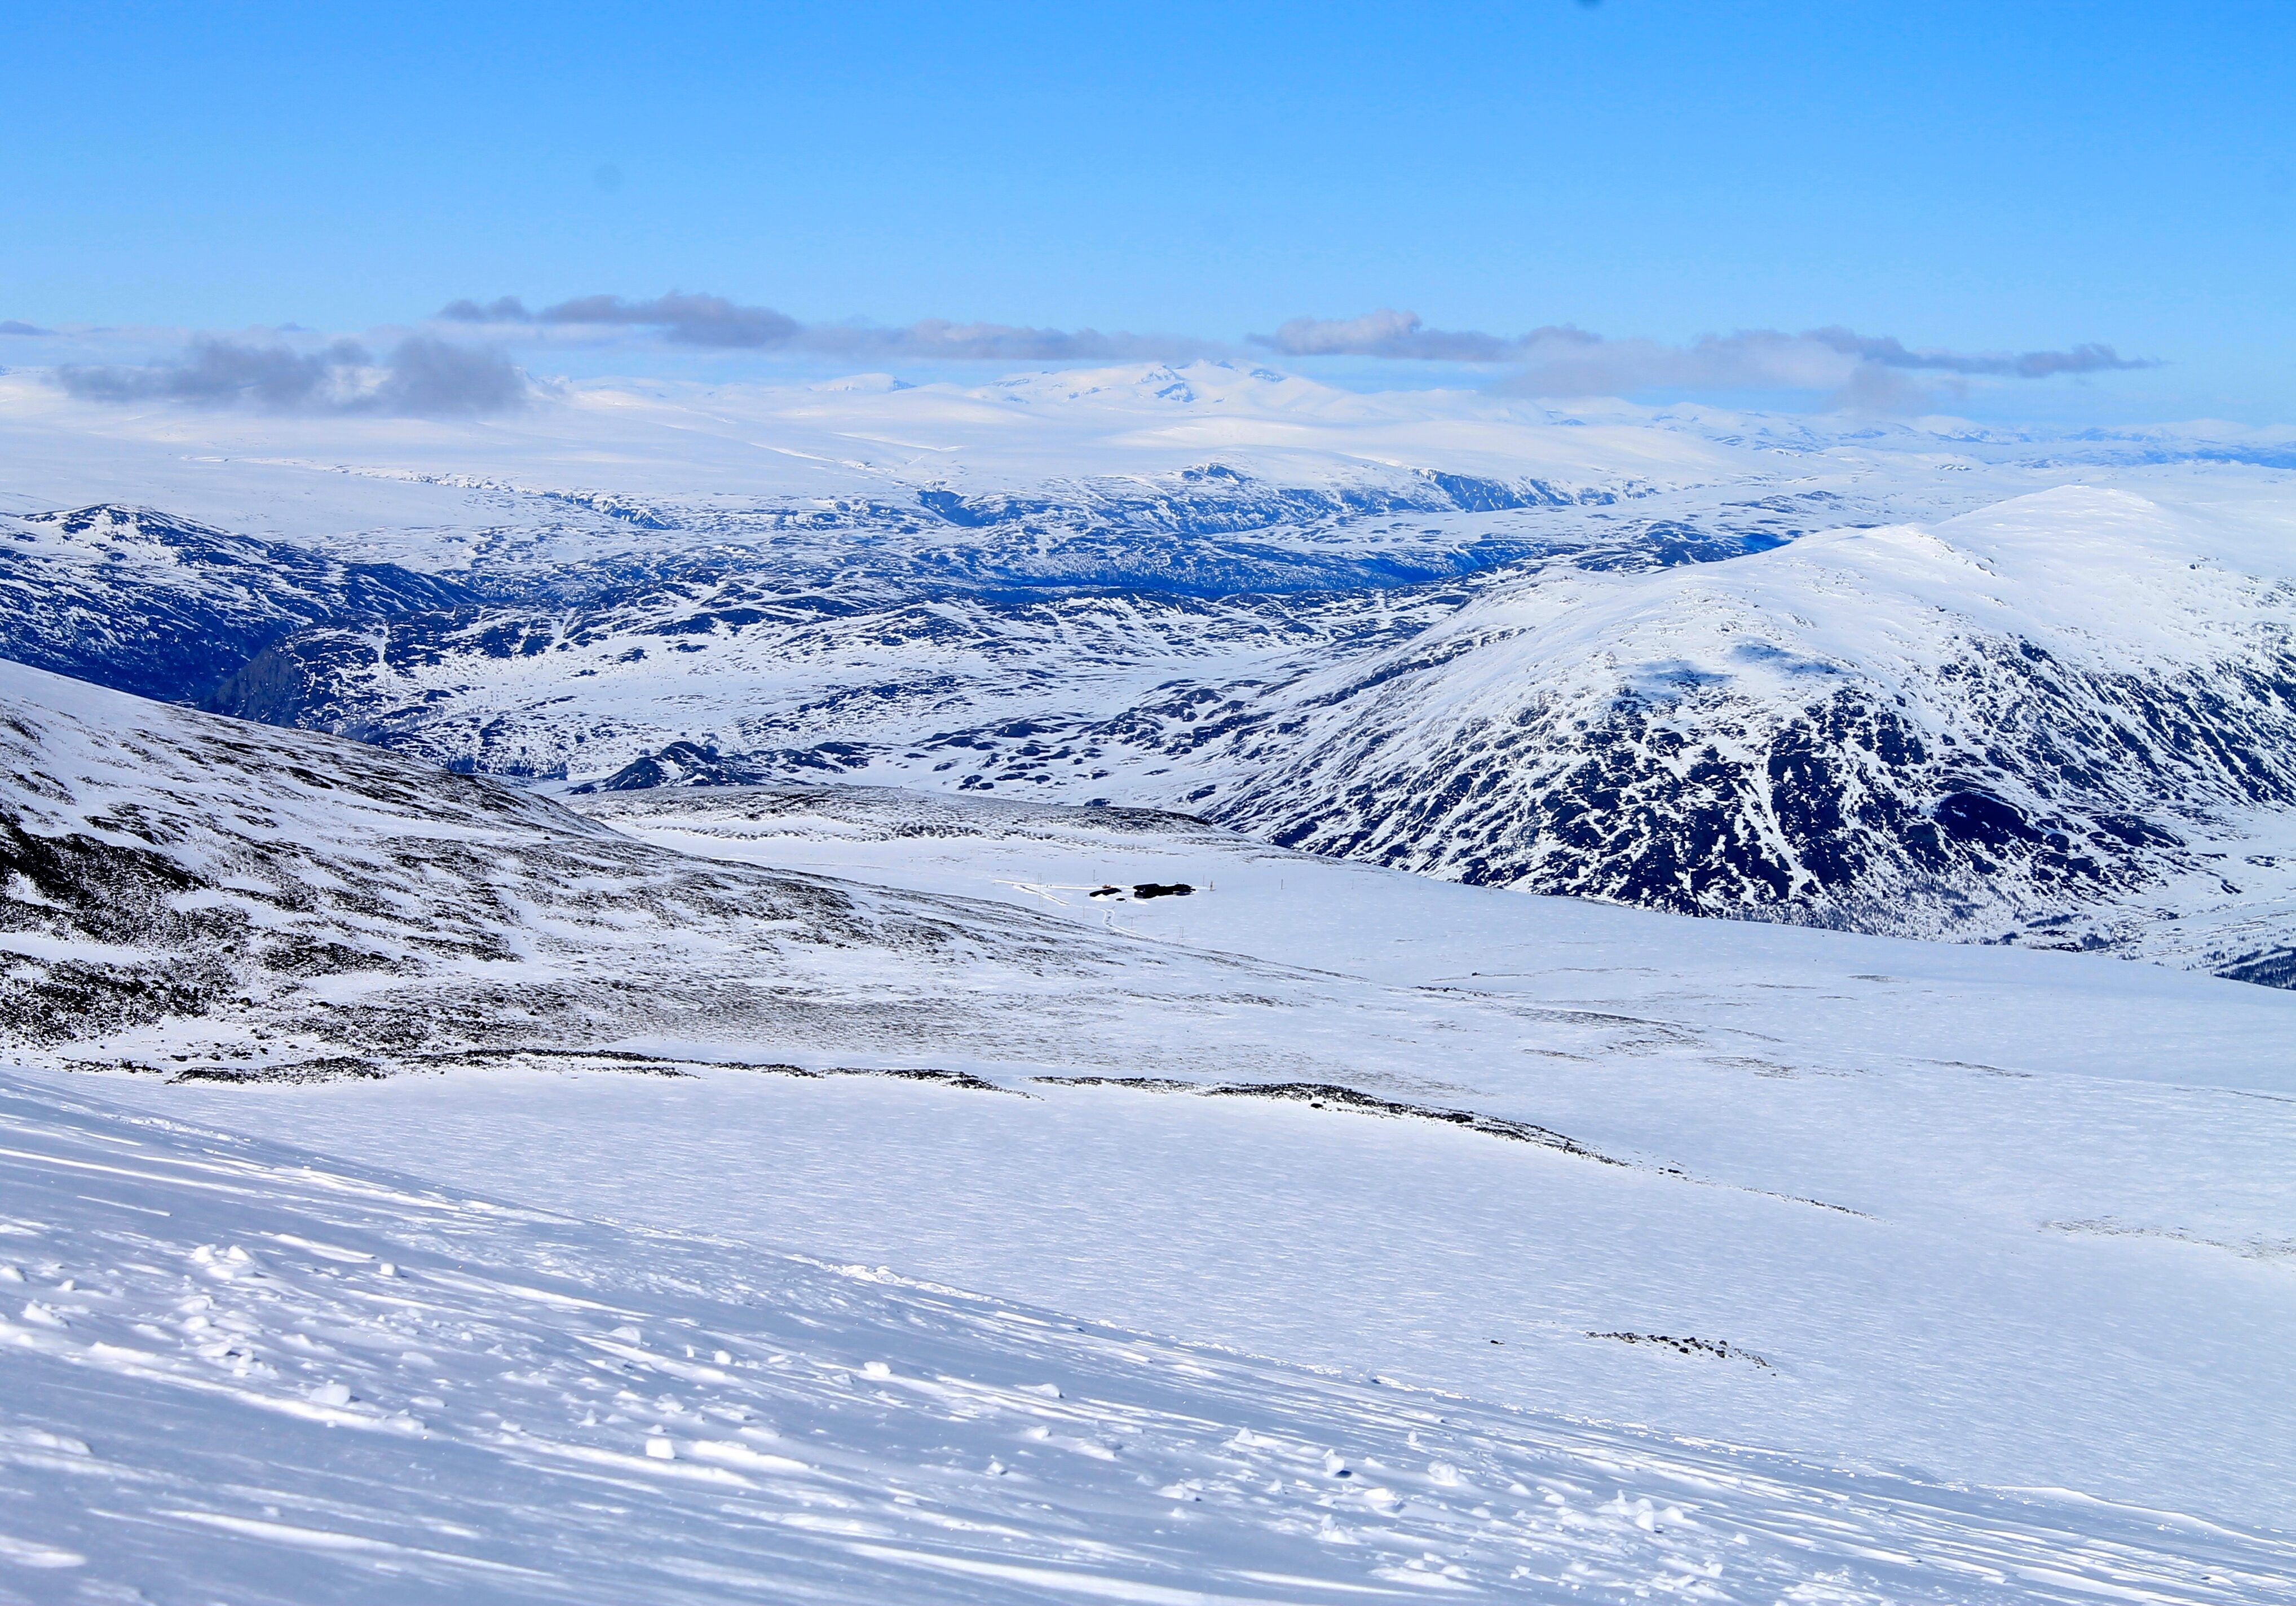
(1934, 683)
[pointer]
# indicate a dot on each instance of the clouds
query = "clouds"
(430, 379)
(1864, 372)
(1861, 372)
(426, 375)
(687, 320)
(503, 309)
(423, 377)
(1390, 333)
(18, 326)
(938, 338)
(714, 322)
(2030, 365)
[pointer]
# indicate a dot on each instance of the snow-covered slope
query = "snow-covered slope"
(161, 607)
(1984, 1217)
(238, 1370)
(297, 906)
(2061, 720)
(415, 1187)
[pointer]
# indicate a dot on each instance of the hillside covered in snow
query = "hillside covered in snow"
(419, 1189)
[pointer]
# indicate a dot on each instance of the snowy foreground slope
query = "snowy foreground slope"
(238, 1371)
(1519, 1212)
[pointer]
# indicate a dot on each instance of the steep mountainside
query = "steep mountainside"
(2060, 719)
(163, 607)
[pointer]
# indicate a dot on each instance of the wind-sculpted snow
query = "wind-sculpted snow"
(238, 1370)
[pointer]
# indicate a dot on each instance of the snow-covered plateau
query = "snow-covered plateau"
(921, 993)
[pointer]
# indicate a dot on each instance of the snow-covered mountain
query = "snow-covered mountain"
(1930, 680)
(2066, 719)
(381, 1140)
(158, 605)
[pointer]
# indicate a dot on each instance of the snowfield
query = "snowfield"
(1898, 1271)
(239, 1371)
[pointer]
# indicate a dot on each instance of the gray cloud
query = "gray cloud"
(938, 337)
(715, 322)
(429, 379)
(2030, 365)
(1390, 333)
(221, 372)
(423, 377)
(1560, 361)
(17, 326)
(1860, 372)
(689, 320)
(503, 309)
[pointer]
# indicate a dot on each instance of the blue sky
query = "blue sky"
(1964, 179)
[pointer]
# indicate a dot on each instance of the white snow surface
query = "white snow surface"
(239, 1371)
(1610, 1254)
(417, 1189)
